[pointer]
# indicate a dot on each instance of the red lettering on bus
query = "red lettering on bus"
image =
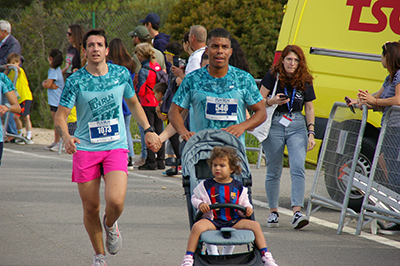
(379, 15)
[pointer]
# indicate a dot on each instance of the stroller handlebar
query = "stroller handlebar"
(238, 207)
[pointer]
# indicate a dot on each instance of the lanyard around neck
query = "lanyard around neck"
(290, 106)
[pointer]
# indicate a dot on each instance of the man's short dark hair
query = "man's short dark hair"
(219, 32)
(96, 32)
(174, 47)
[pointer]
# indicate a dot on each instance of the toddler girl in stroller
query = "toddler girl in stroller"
(224, 189)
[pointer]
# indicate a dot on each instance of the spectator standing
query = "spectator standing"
(54, 85)
(152, 23)
(7, 90)
(73, 60)
(8, 44)
(172, 52)
(197, 39)
(24, 97)
(238, 58)
(118, 54)
(146, 81)
(88, 89)
(288, 127)
(388, 95)
(141, 35)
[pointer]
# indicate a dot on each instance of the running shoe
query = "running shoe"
(50, 146)
(113, 237)
(187, 260)
(268, 260)
(299, 221)
(99, 260)
(273, 220)
(391, 229)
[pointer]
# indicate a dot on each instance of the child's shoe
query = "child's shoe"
(187, 260)
(99, 260)
(268, 260)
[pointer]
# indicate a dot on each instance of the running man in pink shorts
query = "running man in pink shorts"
(99, 146)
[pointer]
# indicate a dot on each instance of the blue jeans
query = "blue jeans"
(127, 119)
(296, 140)
(143, 152)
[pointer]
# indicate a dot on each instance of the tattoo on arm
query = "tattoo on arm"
(59, 131)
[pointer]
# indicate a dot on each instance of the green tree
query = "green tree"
(254, 23)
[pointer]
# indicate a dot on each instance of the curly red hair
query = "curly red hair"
(300, 77)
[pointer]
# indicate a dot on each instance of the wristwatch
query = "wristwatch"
(150, 129)
(8, 106)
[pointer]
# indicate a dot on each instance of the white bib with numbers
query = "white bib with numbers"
(104, 131)
(221, 109)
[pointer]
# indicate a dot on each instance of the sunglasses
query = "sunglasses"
(166, 52)
(69, 33)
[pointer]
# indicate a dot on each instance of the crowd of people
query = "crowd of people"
(102, 86)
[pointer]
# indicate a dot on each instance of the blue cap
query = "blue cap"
(152, 18)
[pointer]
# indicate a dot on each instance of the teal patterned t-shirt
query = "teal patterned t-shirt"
(98, 101)
(217, 103)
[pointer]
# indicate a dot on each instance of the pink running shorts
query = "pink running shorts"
(86, 164)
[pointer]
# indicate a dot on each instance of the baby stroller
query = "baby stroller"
(194, 169)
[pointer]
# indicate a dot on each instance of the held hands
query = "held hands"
(153, 141)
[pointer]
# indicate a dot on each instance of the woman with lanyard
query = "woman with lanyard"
(288, 127)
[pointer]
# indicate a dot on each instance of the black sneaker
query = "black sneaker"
(130, 163)
(273, 221)
(391, 229)
(147, 167)
(299, 221)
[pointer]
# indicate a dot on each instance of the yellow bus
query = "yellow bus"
(342, 42)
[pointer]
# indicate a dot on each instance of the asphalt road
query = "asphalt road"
(41, 220)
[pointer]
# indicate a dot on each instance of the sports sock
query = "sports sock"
(263, 251)
(28, 134)
(189, 253)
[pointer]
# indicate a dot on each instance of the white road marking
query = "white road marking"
(348, 230)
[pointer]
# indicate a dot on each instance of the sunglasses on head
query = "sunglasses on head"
(69, 33)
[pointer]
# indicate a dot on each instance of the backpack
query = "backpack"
(161, 76)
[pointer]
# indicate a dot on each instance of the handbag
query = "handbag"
(261, 132)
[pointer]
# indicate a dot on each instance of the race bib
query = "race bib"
(221, 109)
(104, 131)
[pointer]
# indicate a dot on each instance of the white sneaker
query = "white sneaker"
(113, 237)
(57, 147)
(268, 260)
(99, 260)
(187, 260)
(50, 146)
